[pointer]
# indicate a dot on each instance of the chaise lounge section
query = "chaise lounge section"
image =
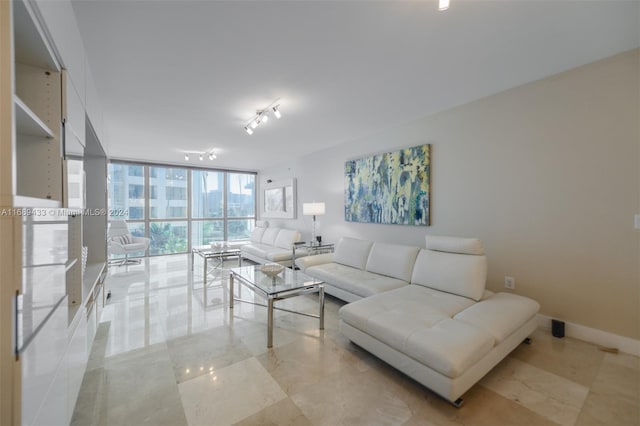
(438, 324)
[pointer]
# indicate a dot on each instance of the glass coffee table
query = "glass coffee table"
(216, 253)
(289, 283)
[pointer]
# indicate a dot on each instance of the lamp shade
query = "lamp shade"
(313, 209)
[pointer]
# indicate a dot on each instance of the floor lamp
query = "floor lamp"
(313, 209)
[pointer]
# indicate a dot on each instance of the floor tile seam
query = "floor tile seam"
(152, 349)
(549, 397)
(551, 373)
(332, 376)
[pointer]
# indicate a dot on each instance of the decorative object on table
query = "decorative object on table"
(272, 269)
(219, 244)
(389, 188)
(279, 199)
(313, 209)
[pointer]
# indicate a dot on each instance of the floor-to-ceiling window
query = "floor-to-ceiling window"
(241, 206)
(207, 206)
(168, 201)
(179, 208)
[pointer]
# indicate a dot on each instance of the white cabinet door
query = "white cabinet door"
(74, 126)
(77, 356)
(44, 378)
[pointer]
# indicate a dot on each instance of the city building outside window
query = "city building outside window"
(180, 208)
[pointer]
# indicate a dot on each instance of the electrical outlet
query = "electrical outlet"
(510, 283)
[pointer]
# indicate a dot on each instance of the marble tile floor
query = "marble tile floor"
(165, 356)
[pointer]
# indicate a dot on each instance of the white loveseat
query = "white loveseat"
(431, 319)
(269, 245)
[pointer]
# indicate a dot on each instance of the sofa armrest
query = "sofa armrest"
(308, 261)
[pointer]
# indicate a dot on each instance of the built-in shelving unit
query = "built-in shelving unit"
(37, 105)
(40, 105)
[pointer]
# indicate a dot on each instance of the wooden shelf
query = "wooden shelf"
(28, 123)
(24, 201)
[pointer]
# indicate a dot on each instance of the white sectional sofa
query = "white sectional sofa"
(429, 317)
(270, 245)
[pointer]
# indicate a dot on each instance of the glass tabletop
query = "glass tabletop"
(217, 248)
(286, 280)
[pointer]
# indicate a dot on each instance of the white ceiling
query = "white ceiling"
(179, 76)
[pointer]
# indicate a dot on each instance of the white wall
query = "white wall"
(546, 174)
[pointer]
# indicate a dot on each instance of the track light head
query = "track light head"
(201, 157)
(210, 156)
(262, 116)
(186, 157)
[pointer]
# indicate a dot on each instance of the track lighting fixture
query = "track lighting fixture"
(210, 154)
(262, 116)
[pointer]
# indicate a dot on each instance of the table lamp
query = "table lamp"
(313, 209)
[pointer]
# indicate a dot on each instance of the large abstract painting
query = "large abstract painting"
(390, 188)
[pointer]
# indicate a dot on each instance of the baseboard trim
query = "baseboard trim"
(593, 335)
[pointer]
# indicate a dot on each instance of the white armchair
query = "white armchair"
(120, 241)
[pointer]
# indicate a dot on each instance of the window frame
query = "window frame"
(147, 220)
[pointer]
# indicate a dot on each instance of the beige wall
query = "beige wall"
(546, 174)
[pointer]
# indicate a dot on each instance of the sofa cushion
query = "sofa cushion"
(352, 252)
(445, 304)
(500, 314)
(286, 237)
(410, 320)
(256, 235)
(455, 245)
(461, 274)
(259, 250)
(276, 254)
(356, 281)
(392, 260)
(269, 236)
(264, 251)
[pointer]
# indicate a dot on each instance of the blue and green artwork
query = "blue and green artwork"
(389, 188)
